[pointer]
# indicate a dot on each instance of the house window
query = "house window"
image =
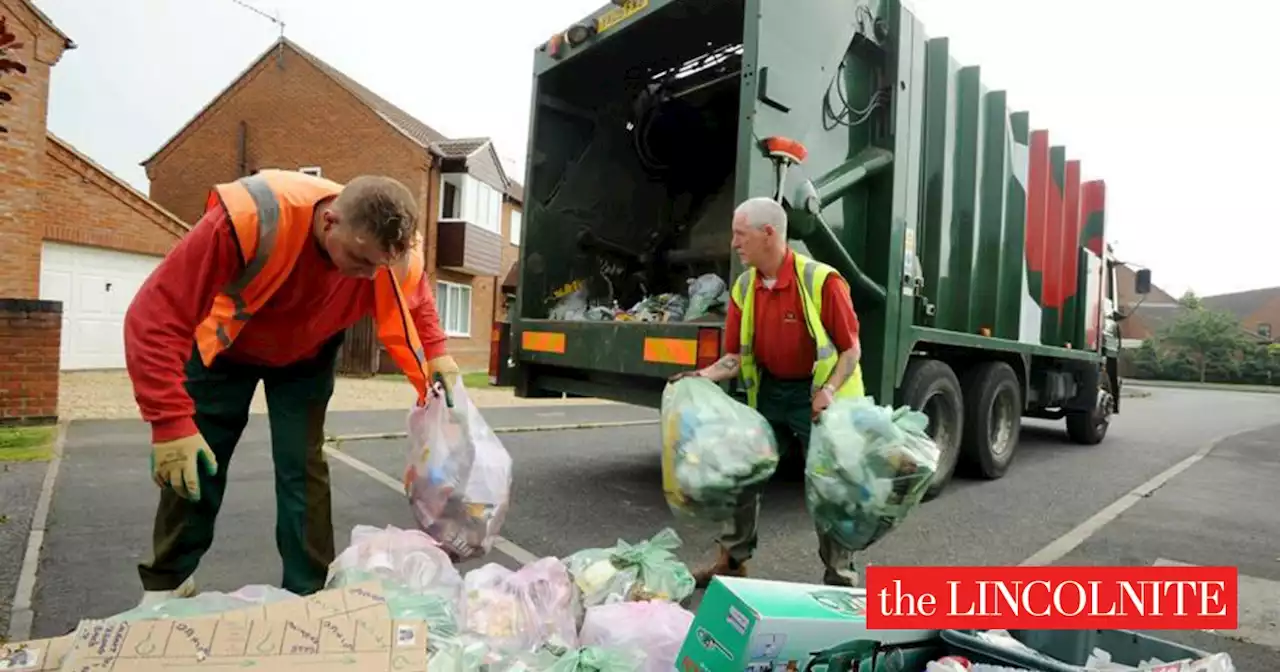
(453, 303)
(466, 198)
(311, 170)
(450, 205)
(516, 223)
(1264, 330)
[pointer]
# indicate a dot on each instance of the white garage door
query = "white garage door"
(95, 287)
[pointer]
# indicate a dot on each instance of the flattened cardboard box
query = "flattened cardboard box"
(330, 631)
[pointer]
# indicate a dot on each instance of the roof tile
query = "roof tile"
(407, 123)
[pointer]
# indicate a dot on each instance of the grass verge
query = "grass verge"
(27, 444)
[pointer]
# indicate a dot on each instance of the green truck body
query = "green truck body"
(975, 253)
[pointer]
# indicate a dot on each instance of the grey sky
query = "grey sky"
(1175, 106)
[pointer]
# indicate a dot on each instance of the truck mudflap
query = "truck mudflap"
(623, 361)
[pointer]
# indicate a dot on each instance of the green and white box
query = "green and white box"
(773, 626)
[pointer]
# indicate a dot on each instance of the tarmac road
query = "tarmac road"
(588, 488)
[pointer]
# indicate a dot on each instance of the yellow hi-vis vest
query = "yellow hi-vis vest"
(810, 276)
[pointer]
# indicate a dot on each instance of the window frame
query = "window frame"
(444, 306)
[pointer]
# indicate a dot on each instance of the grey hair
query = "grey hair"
(761, 211)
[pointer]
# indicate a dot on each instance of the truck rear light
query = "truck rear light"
(494, 343)
(708, 347)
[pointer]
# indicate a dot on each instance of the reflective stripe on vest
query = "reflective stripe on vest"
(810, 276)
(271, 213)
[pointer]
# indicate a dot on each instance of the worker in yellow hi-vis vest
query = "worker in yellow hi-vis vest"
(792, 336)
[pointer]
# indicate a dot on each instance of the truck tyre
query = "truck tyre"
(1090, 427)
(930, 386)
(992, 417)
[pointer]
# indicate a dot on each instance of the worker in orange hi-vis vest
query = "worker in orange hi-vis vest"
(262, 290)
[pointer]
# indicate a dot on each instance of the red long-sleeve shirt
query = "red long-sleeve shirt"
(314, 303)
(783, 346)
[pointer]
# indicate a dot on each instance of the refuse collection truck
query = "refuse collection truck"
(975, 252)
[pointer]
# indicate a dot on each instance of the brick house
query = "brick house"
(78, 240)
(291, 110)
(1257, 309)
(1152, 314)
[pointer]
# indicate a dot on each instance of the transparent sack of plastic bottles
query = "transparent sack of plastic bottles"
(418, 577)
(713, 448)
(520, 611)
(457, 474)
(867, 467)
(656, 627)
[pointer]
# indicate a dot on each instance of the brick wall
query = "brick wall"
(82, 204)
(292, 116)
(510, 254)
(22, 149)
(30, 338)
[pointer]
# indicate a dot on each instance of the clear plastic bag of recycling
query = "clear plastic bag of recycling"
(457, 474)
(648, 570)
(866, 468)
(707, 294)
(570, 302)
(207, 603)
(418, 578)
(523, 610)
(713, 448)
(656, 627)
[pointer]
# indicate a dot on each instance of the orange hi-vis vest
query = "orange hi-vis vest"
(271, 213)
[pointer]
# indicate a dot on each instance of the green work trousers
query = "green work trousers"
(297, 398)
(787, 405)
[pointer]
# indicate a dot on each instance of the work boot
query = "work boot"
(151, 598)
(841, 579)
(724, 565)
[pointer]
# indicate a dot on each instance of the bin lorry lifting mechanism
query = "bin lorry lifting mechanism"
(975, 252)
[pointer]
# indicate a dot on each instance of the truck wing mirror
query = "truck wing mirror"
(1142, 282)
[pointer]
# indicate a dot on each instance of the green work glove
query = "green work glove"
(174, 465)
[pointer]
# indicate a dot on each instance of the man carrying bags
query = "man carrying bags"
(792, 336)
(263, 289)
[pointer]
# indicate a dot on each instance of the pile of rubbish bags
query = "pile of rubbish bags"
(867, 467)
(713, 448)
(707, 296)
(599, 610)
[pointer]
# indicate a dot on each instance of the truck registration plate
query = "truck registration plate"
(619, 14)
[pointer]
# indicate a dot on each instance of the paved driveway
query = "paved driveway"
(98, 395)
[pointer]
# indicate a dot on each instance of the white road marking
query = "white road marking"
(21, 616)
(1257, 605)
(1060, 547)
(504, 546)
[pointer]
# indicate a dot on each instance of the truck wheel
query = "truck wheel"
(931, 387)
(992, 417)
(1090, 427)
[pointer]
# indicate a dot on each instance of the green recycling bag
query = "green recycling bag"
(866, 468)
(713, 447)
(597, 659)
(648, 570)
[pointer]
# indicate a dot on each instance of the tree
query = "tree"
(1212, 338)
(9, 62)
(1190, 301)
